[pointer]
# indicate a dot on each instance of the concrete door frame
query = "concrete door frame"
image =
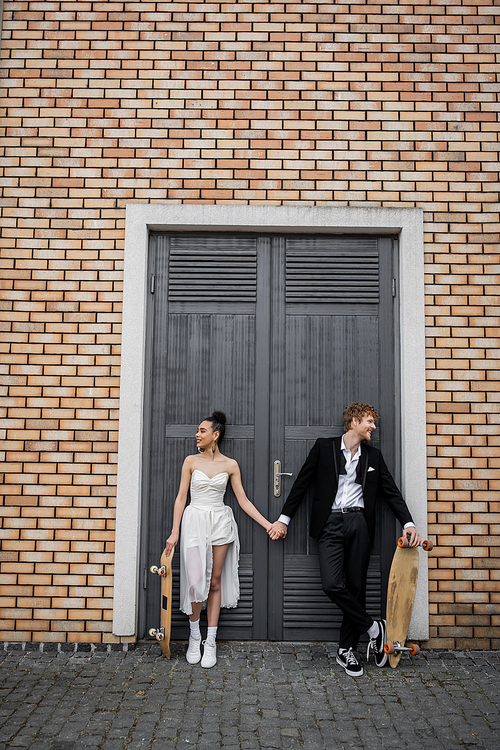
(404, 223)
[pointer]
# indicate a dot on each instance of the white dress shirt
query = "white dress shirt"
(349, 494)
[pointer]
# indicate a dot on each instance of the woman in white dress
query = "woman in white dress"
(209, 544)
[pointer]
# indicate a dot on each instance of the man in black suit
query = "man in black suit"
(350, 476)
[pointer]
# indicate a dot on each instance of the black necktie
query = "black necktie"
(358, 479)
(342, 463)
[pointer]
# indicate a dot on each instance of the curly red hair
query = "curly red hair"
(358, 411)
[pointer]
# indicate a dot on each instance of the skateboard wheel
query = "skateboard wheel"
(389, 648)
(414, 649)
(154, 569)
(152, 632)
(403, 541)
(160, 636)
(427, 545)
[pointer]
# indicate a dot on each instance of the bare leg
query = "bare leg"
(193, 654)
(196, 607)
(194, 573)
(214, 597)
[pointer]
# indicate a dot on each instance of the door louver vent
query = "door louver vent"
(204, 269)
(330, 275)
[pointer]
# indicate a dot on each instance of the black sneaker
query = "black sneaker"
(377, 645)
(351, 665)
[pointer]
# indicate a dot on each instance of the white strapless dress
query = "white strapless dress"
(206, 521)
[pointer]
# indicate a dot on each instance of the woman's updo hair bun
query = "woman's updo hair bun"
(218, 422)
(220, 417)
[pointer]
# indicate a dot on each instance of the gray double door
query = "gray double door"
(281, 333)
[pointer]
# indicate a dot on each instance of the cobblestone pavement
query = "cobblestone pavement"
(259, 695)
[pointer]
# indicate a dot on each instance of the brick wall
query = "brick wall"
(313, 103)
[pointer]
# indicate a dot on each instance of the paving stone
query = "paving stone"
(259, 696)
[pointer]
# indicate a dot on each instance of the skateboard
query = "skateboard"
(400, 598)
(162, 634)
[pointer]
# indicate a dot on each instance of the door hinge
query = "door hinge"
(152, 288)
(394, 287)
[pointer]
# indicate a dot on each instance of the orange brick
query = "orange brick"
(228, 91)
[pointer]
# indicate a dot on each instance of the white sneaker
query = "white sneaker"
(193, 653)
(209, 655)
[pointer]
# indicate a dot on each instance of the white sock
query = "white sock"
(211, 634)
(374, 630)
(194, 628)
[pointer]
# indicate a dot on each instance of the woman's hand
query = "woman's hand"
(171, 542)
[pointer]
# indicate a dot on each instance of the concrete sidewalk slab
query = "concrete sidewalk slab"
(285, 696)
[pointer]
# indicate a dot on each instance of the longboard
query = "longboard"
(162, 634)
(401, 590)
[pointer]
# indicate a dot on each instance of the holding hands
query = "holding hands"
(277, 530)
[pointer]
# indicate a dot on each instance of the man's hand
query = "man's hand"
(278, 530)
(414, 540)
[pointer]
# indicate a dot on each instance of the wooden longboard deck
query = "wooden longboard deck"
(401, 590)
(165, 602)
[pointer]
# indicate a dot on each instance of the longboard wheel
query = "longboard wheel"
(160, 636)
(414, 649)
(152, 632)
(154, 569)
(427, 545)
(389, 648)
(403, 542)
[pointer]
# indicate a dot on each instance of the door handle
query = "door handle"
(277, 478)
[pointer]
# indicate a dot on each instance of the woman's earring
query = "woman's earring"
(214, 446)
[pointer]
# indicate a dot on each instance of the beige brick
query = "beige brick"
(247, 108)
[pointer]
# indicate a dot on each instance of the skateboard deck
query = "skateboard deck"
(401, 590)
(162, 634)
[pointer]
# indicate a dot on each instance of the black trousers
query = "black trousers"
(344, 554)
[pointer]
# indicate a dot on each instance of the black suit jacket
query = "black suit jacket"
(322, 467)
